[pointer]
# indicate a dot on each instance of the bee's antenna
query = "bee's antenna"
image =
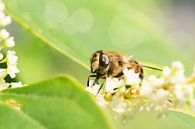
(152, 68)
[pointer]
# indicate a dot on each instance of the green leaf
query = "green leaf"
(183, 117)
(149, 120)
(37, 58)
(78, 28)
(58, 103)
(12, 119)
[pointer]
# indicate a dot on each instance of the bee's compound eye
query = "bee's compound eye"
(105, 60)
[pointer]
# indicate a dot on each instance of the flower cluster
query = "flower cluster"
(8, 58)
(172, 90)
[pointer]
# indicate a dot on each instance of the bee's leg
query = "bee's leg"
(89, 78)
(141, 71)
(96, 80)
(100, 88)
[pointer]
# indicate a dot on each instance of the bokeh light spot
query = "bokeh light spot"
(124, 33)
(55, 13)
(81, 20)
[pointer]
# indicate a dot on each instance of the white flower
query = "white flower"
(160, 95)
(141, 108)
(154, 81)
(146, 89)
(100, 99)
(166, 71)
(112, 84)
(177, 65)
(11, 64)
(2, 15)
(5, 21)
(118, 104)
(3, 84)
(178, 77)
(4, 34)
(179, 92)
(10, 42)
(10, 58)
(1, 56)
(12, 70)
(3, 73)
(92, 89)
(132, 78)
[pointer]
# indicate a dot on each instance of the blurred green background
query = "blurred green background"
(153, 31)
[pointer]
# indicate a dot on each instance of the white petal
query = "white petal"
(154, 81)
(4, 34)
(111, 84)
(1, 56)
(5, 21)
(10, 42)
(2, 15)
(166, 71)
(177, 65)
(132, 78)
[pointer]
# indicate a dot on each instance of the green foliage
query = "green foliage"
(12, 119)
(36, 58)
(149, 120)
(58, 103)
(77, 30)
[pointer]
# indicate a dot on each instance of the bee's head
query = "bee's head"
(99, 62)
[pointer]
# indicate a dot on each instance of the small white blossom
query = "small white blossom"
(112, 84)
(166, 71)
(2, 15)
(132, 78)
(4, 86)
(178, 76)
(92, 89)
(4, 34)
(3, 73)
(1, 56)
(10, 57)
(5, 21)
(11, 64)
(10, 42)
(179, 92)
(177, 65)
(146, 88)
(154, 81)
(118, 104)
(160, 95)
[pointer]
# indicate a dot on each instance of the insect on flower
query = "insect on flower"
(106, 64)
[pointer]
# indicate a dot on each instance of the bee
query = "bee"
(105, 64)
